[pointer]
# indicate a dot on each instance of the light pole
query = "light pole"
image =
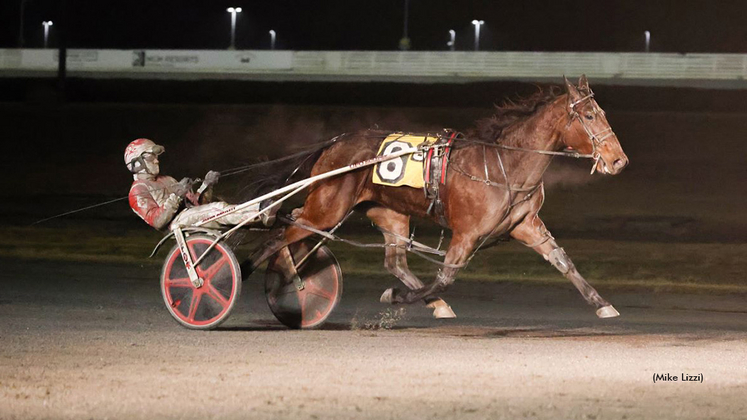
(233, 11)
(404, 43)
(647, 35)
(272, 39)
(46, 24)
(451, 42)
(20, 26)
(477, 24)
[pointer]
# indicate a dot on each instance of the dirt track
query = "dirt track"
(93, 341)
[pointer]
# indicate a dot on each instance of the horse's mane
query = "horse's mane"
(509, 112)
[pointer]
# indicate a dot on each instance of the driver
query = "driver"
(157, 198)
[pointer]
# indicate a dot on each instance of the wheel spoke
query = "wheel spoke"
(181, 282)
(279, 287)
(318, 291)
(287, 289)
(192, 252)
(196, 297)
(211, 271)
(213, 293)
(302, 302)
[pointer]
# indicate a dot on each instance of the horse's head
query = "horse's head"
(589, 132)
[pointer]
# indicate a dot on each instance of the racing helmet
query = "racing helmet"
(140, 156)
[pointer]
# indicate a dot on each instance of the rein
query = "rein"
(566, 153)
(225, 173)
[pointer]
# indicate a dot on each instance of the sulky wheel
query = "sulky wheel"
(204, 307)
(322, 287)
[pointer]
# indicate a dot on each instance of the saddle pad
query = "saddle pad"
(405, 170)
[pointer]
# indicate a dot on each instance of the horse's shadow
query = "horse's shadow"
(462, 331)
(534, 333)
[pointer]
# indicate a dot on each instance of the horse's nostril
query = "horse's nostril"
(618, 164)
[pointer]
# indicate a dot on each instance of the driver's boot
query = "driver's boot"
(268, 217)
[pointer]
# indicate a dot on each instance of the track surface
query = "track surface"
(93, 341)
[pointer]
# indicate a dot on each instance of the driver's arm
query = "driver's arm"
(145, 206)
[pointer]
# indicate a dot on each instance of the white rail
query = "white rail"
(412, 66)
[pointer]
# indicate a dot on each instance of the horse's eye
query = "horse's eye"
(589, 117)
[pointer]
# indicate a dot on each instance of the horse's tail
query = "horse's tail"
(268, 176)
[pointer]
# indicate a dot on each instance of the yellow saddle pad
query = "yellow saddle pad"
(404, 170)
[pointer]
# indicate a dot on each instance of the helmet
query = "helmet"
(137, 153)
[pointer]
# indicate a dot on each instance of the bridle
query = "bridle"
(596, 139)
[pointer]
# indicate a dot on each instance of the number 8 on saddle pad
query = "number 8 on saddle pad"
(405, 170)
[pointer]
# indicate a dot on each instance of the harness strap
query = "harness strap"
(530, 194)
(434, 168)
(428, 165)
(445, 160)
(546, 236)
(333, 237)
(589, 96)
(411, 242)
(511, 188)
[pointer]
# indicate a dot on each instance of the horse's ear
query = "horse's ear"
(573, 93)
(583, 84)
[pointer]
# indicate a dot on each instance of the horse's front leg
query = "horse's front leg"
(459, 251)
(533, 233)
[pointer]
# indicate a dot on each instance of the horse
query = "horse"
(493, 188)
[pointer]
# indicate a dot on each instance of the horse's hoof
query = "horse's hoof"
(608, 311)
(441, 310)
(387, 296)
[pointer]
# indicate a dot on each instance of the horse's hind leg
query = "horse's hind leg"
(395, 260)
(460, 249)
(532, 232)
(325, 207)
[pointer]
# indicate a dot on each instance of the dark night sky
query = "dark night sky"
(534, 25)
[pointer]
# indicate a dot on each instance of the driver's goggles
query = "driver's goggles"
(152, 154)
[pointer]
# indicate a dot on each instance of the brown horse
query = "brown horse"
(494, 187)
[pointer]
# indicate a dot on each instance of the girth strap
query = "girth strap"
(435, 167)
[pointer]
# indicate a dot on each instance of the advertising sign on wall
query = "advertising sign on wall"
(212, 60)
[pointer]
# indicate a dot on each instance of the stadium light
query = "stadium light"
(233, 11)
(46, 24)
(272, 39)
(647, 35)
(477, 24)
(452, 41)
